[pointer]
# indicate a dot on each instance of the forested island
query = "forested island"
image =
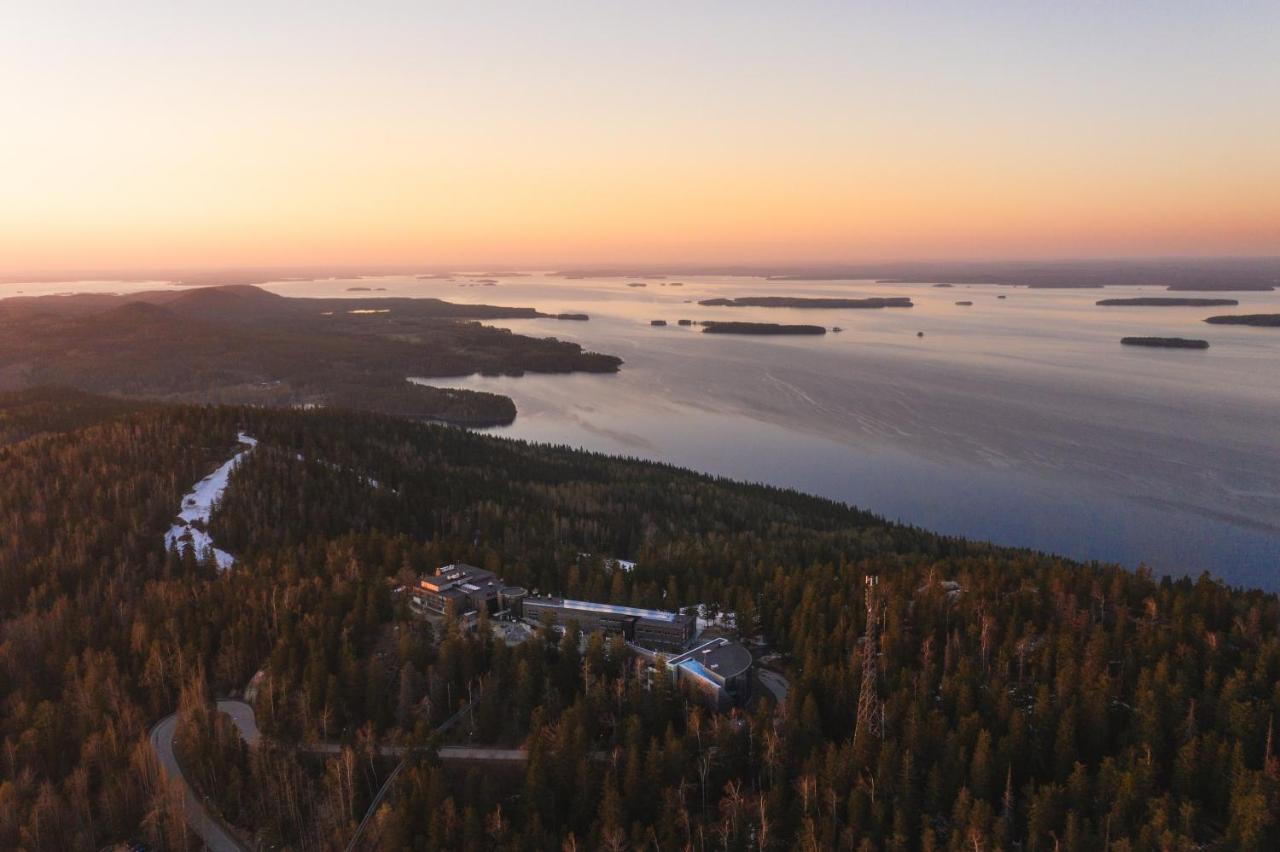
(242, 344)
(1261, 320)
(801, 302)
(716, 327)
(1029, 702)
(1166, 342)
(1167, 302)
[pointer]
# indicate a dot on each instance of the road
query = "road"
(206, 826)
(245, 720)
(213, 832)
(218, 838)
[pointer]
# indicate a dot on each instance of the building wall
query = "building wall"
(674, 635)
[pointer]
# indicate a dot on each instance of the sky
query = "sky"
(157, 134)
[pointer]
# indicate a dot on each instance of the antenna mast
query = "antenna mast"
(870, 708)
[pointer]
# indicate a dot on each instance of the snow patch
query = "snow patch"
(710, 616)
(610, 563)
(198, 505)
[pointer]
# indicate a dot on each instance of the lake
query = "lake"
(1020, 420)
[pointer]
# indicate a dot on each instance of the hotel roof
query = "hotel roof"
(727, 659)
(615, 609)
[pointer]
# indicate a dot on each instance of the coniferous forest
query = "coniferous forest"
(1029, 702)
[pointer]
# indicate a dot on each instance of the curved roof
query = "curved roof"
(719, 656)
(727, 660)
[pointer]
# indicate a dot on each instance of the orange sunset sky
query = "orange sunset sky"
(549, 133)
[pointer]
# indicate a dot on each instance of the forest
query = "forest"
(1029, 702)
(245, 345)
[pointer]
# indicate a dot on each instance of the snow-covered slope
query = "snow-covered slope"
(198, 505)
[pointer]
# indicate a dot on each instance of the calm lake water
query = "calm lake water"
(1020, 420)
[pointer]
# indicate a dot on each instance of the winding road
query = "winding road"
(219, 838)
(206, 826)
(215, 834)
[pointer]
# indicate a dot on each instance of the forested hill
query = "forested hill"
(53, 409)
(1030, 702)
(244, 345)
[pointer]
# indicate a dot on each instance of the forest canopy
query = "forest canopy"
(1029, 701)
(245, 345)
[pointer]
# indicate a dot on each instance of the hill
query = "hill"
(1027, 699)
(241, 344)
(42, 410)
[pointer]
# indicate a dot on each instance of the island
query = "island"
(577, 317)
(686, 322)
(1166, 302)
(964, 304)
(713, 327)
(637, 284)
(657, 322)
(801, 302)
(1166, 342)
(1260, 320)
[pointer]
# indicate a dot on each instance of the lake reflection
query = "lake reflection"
(1018, 419)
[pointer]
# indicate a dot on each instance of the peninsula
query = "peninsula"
(244, 345)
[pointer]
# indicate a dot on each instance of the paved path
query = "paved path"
(775, 683)
(243, 717)
(206, 826)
